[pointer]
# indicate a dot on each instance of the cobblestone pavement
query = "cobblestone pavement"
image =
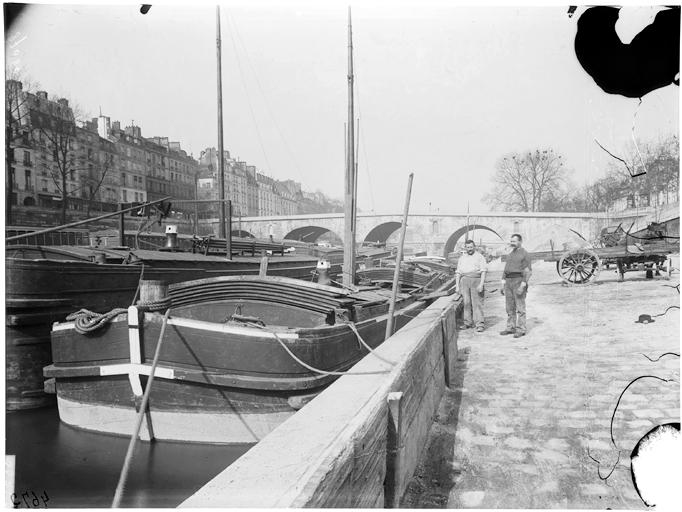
(515, 430)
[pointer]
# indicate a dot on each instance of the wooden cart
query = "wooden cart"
(628, 253)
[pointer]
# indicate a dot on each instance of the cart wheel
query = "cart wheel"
(579, 266)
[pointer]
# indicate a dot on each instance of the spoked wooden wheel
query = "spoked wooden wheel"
(579, 266)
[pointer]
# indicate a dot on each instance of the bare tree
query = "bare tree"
(530, 182)
(16, 127)
(58, 127)
(657, 166)
(656, 171)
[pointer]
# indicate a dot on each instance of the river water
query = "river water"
(76, 468)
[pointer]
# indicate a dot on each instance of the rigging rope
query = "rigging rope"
(265, 100)
(248, 96)
(361, 139)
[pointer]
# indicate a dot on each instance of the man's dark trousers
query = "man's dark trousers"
(516, 304)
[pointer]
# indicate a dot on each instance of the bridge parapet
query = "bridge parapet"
(437, 233)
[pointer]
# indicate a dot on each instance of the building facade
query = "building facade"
(53, 160)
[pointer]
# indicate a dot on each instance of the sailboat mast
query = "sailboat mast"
(350, 199)
(466, 237)
(221, 160)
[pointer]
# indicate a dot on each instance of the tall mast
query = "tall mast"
(467, 233)
(350, 199)
(221, 160)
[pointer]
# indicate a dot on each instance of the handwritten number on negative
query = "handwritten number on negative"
(28, 501)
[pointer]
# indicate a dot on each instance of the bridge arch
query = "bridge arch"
(382, 232)
(309, 234)
(242, 233)
(454, 237)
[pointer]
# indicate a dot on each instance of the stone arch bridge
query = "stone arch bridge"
(437, 233)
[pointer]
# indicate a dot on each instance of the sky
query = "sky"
(442, 90)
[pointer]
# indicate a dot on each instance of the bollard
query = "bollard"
(393, 446)
(153, 291)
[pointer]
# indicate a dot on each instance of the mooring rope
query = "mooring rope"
(86, 321)
(306, 365)
(143, 407)
(155, 305)
(370, 349)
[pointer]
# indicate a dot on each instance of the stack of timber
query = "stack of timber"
(45, 283)
(239, 356)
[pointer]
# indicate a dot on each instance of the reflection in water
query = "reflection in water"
(81, 469)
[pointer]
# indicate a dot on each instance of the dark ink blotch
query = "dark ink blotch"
(635, 452)
(650, 61)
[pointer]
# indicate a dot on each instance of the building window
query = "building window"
(43, 185)
(631, 201)
(29, 183)
(27, 158)
(644, 200)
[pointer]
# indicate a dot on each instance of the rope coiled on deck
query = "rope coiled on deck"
(86, 321)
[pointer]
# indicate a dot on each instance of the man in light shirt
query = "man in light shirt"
(470, 274)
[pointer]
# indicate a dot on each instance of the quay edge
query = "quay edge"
(342, 437)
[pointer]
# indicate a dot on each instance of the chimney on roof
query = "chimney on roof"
(116, 125)
(103, 126)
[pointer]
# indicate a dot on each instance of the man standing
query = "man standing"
(515, 278)
(470, 277)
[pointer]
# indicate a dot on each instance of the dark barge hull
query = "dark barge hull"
(41, 291)
(215, 382)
